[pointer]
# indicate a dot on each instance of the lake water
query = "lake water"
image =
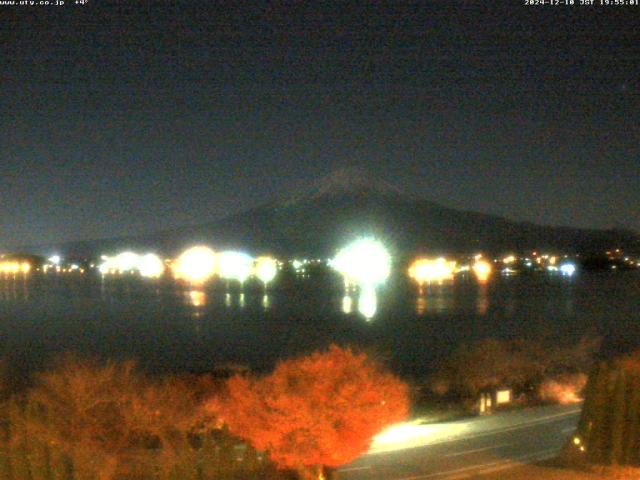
(169, 327)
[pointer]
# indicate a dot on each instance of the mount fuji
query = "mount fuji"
(318, 218)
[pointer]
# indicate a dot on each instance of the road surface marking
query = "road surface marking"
(464, 472)
(542, 455)
(353, 469)
(568, 429)
(477, 450)
(518, 426)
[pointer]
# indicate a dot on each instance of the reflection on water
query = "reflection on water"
(347, 304)
(368, 302)
(436, 298)
(230, 300)
(421, 304)
(14, 288)
(197, 298)
(447, 297)
(165, 323)
(482, 303)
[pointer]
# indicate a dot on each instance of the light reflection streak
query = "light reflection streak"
(197, 298)
(482, 303)
(421, 305)
(347, 304)
(368, 302)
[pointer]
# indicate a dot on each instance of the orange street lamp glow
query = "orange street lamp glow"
(427, 270)
(482, 270)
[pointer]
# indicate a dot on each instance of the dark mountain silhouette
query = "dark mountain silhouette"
(320, 217)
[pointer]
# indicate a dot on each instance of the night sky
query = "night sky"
(119, 119)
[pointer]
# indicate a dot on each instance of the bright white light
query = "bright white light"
(126, 261)
(104, 267)
(364, 262)
(568, 269)
(55, 259)
(196, 265)
(234, 265)
(266, 269)
(150, 265)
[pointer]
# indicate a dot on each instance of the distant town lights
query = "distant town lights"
(568, 269)
(126, 262)
(147, 265)
(364, 262)
(14, 267)
(266, 269)
(195, 265)
(234, 265)
(150, 265)
(482, 270)
(426, 270)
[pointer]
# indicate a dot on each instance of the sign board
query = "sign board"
(503, 396)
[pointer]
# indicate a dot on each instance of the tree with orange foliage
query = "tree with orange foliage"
(313, 412)
(104, 417)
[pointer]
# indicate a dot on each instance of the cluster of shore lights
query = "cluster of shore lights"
(199, 264)
(437, 270)
(11, 267)
(364, 264)
(432, 270)
(147, 265)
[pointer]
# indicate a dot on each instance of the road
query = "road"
(465, 449)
